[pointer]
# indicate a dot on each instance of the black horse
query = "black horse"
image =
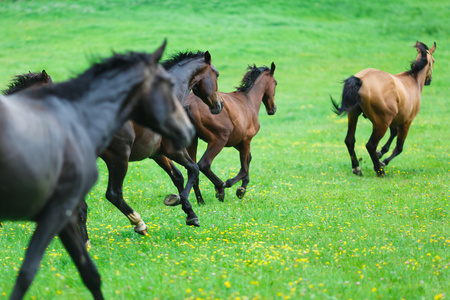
(51, 136)
(189, 70)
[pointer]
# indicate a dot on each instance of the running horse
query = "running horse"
(388, 101)
(51, 137)
(24, 81)
(234, 127)
(190, 71)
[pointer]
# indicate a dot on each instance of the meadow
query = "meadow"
(307, 227)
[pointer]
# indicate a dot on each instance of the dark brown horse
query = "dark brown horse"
(135, 143)
(388, 101)
(234, 127)
(24, 81)
(51, 137)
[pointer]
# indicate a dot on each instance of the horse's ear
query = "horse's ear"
(433, 48)
(207, 58)
(156, 56)
(45, 73)
(272, 68)
(417, 45)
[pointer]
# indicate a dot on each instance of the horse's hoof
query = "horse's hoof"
(200, 201)
(240, 192)
(193, 222)
(141, 232)
(172, 200)
(220, 196)
(357, 171)
(381, 173)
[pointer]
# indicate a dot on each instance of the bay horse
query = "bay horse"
(234, 127)
(51, 137)
(388, 101)
(190, 71)
(24, 81)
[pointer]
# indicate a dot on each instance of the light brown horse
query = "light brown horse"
(388, 101)
(235, 126)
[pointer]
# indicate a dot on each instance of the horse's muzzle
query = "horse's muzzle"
(217, 108)
(272, 111)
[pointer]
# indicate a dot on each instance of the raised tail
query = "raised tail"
(350, 96)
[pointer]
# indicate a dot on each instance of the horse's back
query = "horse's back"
(380, 93)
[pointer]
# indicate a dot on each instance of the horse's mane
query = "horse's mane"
(23, 81)
(75, 87)
(250, 77)
(422, 61)
(179, 57)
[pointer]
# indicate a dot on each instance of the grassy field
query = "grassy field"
(307, 227)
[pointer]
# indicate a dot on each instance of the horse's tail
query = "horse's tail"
(350, 96)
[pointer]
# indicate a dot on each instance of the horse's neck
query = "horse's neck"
(184, 75)
(421, 77)
(107, 106)
(256, 92)
(418, 78)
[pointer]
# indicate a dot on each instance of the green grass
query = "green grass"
(307, 227)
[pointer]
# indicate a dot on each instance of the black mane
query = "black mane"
(74, 88)
(250, 77)
(422, 61)
(179, 57)
(23, 81)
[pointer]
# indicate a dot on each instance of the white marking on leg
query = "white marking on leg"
(135, 219)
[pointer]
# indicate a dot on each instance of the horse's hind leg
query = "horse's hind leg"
(402, 133)
(71, 239)
(117, 169)
(350, 139)
(377, 133)
(386, 147)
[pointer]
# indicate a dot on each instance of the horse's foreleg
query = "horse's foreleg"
(402, 133)
(386, 147)
(70, 237)
(117, 168)
(205, 163)
(174, 174)
(350, 140)
(245, 158)
(192, 151)
(377, 133)
(182, 157)
(49, 224)
(82, 220)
